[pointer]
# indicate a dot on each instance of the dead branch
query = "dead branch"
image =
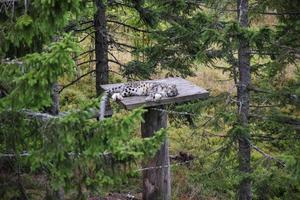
(255, 89)
(295, 123)
(73, 25)
(267, 156)
(115, 72)
(112, 55)
(83, 29)
(121, 44)
(128, 26)
(86, 62)
(89, 34)
(116, 62)
(89, 51)
(74, 81)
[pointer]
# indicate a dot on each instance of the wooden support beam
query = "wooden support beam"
(156, 181)
(156, 176)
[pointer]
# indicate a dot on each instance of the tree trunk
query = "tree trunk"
(54, 110)
(101, 46)
(156, 181)
(243, 103)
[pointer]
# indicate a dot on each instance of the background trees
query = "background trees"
(211, 33)
(73, 150)
(149, 39)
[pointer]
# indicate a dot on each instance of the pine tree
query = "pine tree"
(243, 99)
(195, 32)
(73, 149)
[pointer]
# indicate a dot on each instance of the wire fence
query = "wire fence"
(173, 112)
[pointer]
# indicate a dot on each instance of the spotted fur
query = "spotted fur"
(153, 90)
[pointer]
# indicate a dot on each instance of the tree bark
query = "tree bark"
(243, 95)
(54, 110)
(101, 46)
(156, 181)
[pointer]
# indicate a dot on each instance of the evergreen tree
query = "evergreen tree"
(260, 113)
(196, 32)
(73, 149)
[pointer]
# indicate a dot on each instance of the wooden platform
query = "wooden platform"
(187, 92)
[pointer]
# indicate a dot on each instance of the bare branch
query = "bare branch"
(121, 44)
(83, 29)
(115, 3)
(296, 13)
(74, 81)
(295, 123)
(3, 90)
(129, 26)
(83, 53)
(255, 89)
(89, 34)
(267, 156)
(116, 62)
(115, 72)
(86, 62)
(264, 106)
(125, 45)
(72, 26)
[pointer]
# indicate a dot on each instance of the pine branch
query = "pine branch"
(118, 45)
(253, 11)
(74, 81)
(129, 26)
(89, 34)
(83, 53)
(86, 62)
(110, 53)
(277, 13)
(115, 72)
(116, 62)
(3, 90)
(255, 89)
(267, 156)
(115, 3)
(264, 106)
(125, 45)
(270, 138)
(295, 123)
(83, 29)
(72, 26)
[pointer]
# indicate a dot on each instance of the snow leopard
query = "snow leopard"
(154, 91)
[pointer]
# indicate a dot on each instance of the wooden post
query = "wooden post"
(157, 181)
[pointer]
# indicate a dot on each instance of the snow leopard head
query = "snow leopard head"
(172, 90)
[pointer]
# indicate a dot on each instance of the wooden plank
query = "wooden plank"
(156, 180)
(187, 92)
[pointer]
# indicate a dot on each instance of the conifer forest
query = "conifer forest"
(149, 99)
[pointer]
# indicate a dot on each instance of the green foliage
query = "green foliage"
(27, 32)
(37, 73)
(76, 149)
(207, 38)
(73, 151)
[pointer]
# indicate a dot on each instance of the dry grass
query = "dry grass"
(212, 79)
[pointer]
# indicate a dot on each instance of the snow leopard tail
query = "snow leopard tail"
(104, 99)
(102, 106)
